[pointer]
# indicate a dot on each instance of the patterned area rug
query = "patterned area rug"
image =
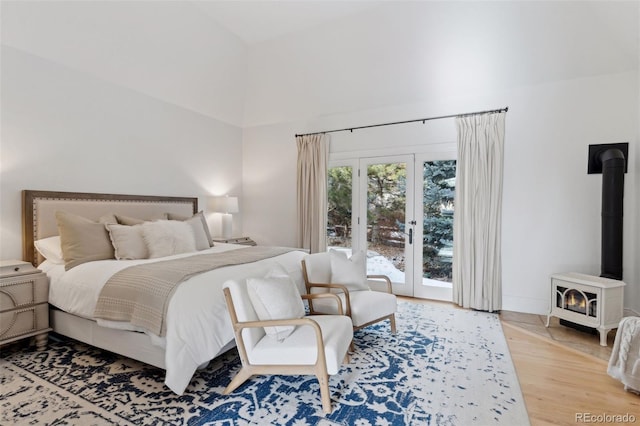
(445, 366)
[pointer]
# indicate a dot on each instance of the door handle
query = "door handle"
(410, 235)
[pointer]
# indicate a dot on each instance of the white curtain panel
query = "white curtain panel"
(313, 159)
(477, 229)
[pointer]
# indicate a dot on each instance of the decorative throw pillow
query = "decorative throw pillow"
(82, 240)
(168, 237)
(51, 249)
(130, 221)
(128, 241)
(200, 228)
(350, 272)
(275, 297)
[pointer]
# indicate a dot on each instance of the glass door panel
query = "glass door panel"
(340, 207)
(435, 254)
(385, 232)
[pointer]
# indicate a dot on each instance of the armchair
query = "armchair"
(316, 345)
(363, 305)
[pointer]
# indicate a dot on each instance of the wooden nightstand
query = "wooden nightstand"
(245, 241)
(24, 307)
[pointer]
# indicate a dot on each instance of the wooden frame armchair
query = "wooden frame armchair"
(318, 345)
(364, 307)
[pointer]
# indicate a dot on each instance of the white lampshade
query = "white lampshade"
(225, 204)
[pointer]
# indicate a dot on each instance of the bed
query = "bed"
(197, 326)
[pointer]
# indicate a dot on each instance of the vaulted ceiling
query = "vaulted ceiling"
(257, 21)
(250, 62)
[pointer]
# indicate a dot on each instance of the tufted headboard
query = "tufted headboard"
(39, 207)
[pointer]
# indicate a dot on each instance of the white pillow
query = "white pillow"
(128, 241)
(350, 272)
(51, 249)
(167, 237)
(275, 297)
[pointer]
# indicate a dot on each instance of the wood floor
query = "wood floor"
(563, 374)
(562, 386)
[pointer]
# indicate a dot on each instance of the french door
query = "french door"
(434, 207)
(399, 210)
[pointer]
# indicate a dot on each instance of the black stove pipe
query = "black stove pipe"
(613, 166)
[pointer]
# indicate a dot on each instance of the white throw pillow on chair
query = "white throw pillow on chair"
(276, 297)
(350, 272)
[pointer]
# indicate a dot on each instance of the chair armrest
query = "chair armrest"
(381, 277)
(329, 286)
(275, 323)
(325, 296)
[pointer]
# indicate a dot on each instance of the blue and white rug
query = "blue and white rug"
(445, 366)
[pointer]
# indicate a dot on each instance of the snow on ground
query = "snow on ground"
(378, 265)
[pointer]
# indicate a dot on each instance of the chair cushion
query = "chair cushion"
(366, 306)
(300, 347)
(350, 272)
(273, 298)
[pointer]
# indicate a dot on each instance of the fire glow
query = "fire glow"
(577, 301)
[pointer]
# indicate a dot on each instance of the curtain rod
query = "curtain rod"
(466, 114)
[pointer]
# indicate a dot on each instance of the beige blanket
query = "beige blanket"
(140, 294)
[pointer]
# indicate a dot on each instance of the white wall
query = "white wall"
(568, 72)
(167, 50)
(117, 97)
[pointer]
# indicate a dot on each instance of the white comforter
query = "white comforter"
(198, 324)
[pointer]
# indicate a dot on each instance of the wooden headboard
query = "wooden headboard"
(39, 207)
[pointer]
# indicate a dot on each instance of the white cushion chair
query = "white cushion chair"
(333, 272)
(296, 345)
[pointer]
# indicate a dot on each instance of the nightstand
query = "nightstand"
(245, 241)
(24, 307)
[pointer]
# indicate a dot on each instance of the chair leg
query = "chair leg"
(239, 379)
(392, 318)
(323, 380)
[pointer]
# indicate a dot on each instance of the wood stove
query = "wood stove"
(594, 302)
(584, 301)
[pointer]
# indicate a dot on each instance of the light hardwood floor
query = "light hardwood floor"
(562, 385)
(563, 373)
